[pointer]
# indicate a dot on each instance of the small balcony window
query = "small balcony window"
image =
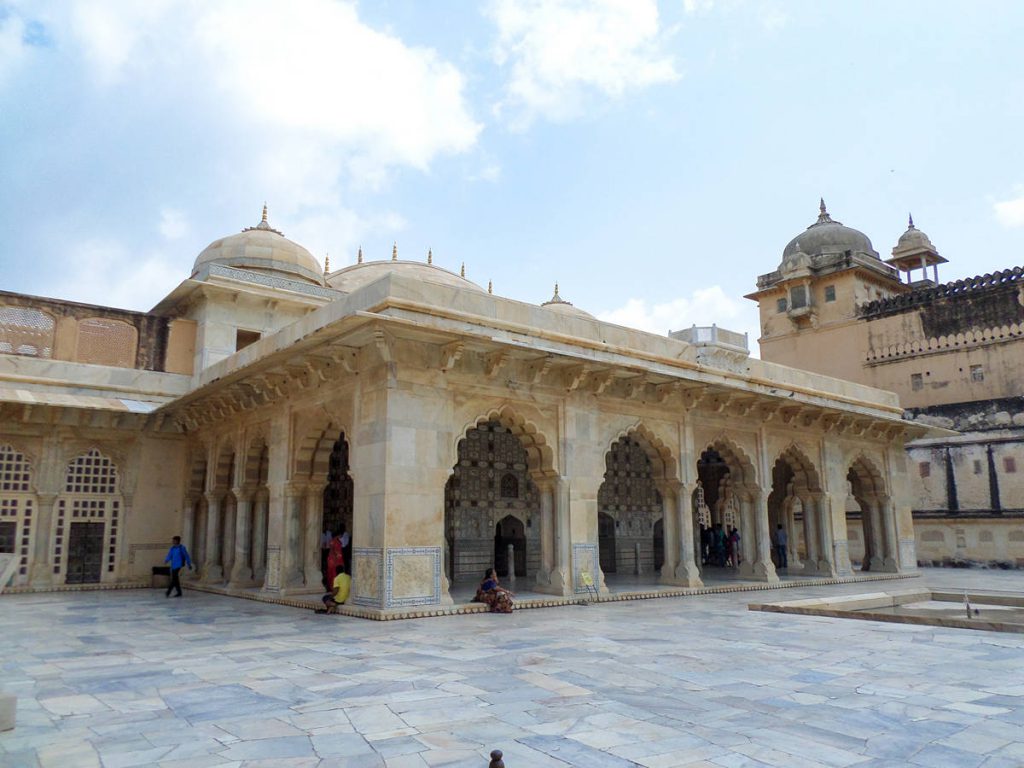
(780, 305)
(830, 293)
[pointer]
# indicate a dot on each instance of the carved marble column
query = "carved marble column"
(669, 534)
(259, 537)
(686, 572)
(871, 522)
(291, 546)
(762, 567)
(547, 534)
(812, 535)
(748, 536)
(42, 574)
(212, 570)
(229, 509)
(561, 574)
(188, 522)
(312, 529)
(241, 569)
(789, 523)
(891, 550)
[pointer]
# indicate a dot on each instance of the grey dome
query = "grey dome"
(913, 238)
(828, 236)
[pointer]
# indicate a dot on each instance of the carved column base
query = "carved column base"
(761, 570)
(686, 575)
(212, 574)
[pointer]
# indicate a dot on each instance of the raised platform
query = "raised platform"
(991, 611)
(620, 589)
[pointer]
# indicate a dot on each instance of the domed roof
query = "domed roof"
(557, 304)
(361, 273)
(913, 238)
(828, 236)
(265, 249)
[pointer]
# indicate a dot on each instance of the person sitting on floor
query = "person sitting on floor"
(497, 598)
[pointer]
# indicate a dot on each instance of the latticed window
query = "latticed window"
(509, 486)
(102, 341)
(14, 470)
(91, 472)
(26, 331)
(15, 505)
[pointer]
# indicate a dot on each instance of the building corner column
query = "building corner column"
(212, 568)
(41, 574)
(686, 572)
(241, 569)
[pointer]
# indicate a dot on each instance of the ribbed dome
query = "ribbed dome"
(828, 236)
(557, 304)
(356, 276)
(265, 249)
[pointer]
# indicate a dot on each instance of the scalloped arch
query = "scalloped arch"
(865, 471)
(539, 453)
(804, 471)
(313, 452)
(663, 459)
(741, 468)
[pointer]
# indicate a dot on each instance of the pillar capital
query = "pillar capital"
(242, 493)
(47, 499)
(213, 497)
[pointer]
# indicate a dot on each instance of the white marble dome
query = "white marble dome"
(355, 276)
(264, 249)
(557, 304)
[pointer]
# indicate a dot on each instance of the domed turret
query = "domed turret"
(265, 249)
(914, 250)
(557, 304)
(825, 236)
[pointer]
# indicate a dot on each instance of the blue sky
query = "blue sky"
(653, 158)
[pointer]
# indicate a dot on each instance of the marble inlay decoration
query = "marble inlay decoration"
(584, 560)
(367, 576)
(412, 576)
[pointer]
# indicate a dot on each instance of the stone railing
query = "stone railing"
(927, 295)
(945, 343)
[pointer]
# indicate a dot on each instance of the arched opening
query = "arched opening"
(870, 538)
(800, 534)
(337, 516)
(510, 539)
(89, 516)
(629, 503)
(724, 511)
(490, 502)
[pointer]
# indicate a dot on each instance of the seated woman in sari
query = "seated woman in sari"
(497, 598)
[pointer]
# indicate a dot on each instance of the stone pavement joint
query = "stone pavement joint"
(124, 678)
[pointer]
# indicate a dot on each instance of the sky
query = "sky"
(653, 158)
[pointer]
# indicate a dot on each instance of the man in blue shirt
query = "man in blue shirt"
(178, 557)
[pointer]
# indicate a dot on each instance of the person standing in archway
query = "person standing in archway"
(781, 543)
(335, 559)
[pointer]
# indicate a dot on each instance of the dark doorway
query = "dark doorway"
(85, 553)
(606, 542)
(8, 536)
(509, 530)
(337, 517)
(659, 545)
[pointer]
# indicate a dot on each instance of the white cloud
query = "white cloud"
(703, 307)
(299, 104)
(109, 273)
(1010, 213)
(173, 224)
(13, 50)
(559, 51)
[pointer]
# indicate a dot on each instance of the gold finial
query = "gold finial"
(359, 257)
(264, 212)
(430, 256)
(327, 263)
(394, 252)
(462, 272)
(490, 287)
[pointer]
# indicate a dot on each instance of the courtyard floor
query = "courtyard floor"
(127, 678)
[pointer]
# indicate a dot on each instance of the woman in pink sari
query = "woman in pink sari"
(335, 559)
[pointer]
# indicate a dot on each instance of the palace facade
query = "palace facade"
(267, 399)
(953, 352)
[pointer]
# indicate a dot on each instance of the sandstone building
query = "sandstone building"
(266, 399)
(953, 352)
